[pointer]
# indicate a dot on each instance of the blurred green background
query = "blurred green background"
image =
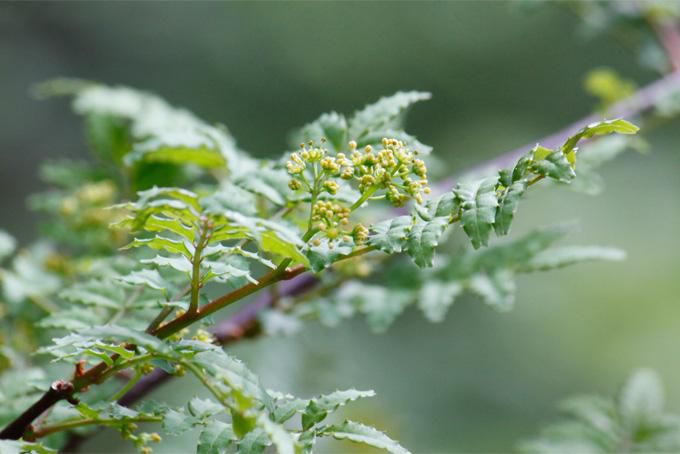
(501, 75)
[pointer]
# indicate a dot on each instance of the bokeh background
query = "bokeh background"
(501, 75)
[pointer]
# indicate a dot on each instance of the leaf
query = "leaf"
(178, 148)
(641, 398)
(271, 242)
(163, 244)
(619, 126)
(478, 202)
(147, 277)
(569, 255)
(280, 437)
(424, 238)
(323, 255)
(331, 126)
(269, 183)
(496, 289)
(386, 113)
(446, 205)
(7, 244)
(254, 442)
(555, 165)
(360, 433)
(178, 263)
(23, 447)
(389, 236)
(507, 206)
(95, 293)
(318, 408)
(203, 408)
(436, 297)
(215, 438)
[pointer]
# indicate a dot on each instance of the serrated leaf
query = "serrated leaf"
(496, 289)
(215, 438)
(507, 206)
(478, 203)
(178, 263)
(7, 244)
(24, 447)
(641, 397)
(178, 148)
(147, 277)
(269, 183)
(556, 166)
(390, 236)
(424, 238)
(331, 126)
(360, 433)
(163, 244)
(446, 205)
(318, 408)
(386, 113)
(273, 243)
(254, 442)
(568, 255)
(323, 255)
(203, 408)
(619, 126)
(436, 297)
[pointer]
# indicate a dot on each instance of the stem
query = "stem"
(128, 386)
(365, 196)
(66, 425)
(196, 270)
(642, 100)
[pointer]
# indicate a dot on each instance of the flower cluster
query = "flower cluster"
(394, 169)
(392, 172)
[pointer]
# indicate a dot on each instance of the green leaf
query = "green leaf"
(360, 433)
(23, 447)
(507, 206)
(271, 242)
(390, 236)
(318, 408)
(203, 408)
(323, 255)
(424, 238)
(177, 148)
(386, 113)
(269, 183)
(163, 244)
(496, 289)
(215, 438)
(619, 126)
(555, 165)
(446, 205)
(478, 202)
(254, 442)
(569, 255)
(95, 293)
(332, 126)
(147, 277)
(178, 263)
(436, 297)
(7, 244)
(641, 398)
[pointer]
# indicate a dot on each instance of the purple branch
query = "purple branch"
(244, 321)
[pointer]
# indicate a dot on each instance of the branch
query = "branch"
(244, 323)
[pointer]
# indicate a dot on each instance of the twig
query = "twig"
(244, 322)
(237, 326)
